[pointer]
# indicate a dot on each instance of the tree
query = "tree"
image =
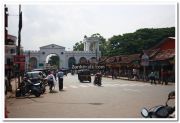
(142, 39)
(79, 46)
(54, 61)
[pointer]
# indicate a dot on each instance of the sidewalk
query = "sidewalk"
(14, 83)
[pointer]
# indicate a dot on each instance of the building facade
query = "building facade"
(37, 59)
(161, 59)
(10, 52)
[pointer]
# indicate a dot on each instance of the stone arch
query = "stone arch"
(93, 59)
(71, 62)
(33, 63)
(48, 65)
(82, 60)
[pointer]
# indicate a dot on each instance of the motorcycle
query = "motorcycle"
(160, 111)
(98, 79)
(28, 88)
(43, 84)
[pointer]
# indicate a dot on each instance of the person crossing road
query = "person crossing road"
(60, 75)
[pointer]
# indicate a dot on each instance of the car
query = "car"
(44, 71)
(34, 75)
(84, 75)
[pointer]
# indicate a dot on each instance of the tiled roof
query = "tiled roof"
(163, 41)
(123, 59)
(164, 54)
(152, 53)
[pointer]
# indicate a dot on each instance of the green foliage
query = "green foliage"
(54, 61)
(131, 43)
(79, 46)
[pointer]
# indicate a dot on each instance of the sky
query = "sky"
(65, 24)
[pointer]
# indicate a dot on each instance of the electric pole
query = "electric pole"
(6, 23)
(19, 41)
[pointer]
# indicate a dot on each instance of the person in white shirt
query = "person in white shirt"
(51, 81)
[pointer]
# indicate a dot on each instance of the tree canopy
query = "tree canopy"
(54, 60)
(79, 46)
(130, 43)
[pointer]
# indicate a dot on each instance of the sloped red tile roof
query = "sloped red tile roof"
(129, 58)
(152, 53)
(163, 41)
(123, 59)
(164, 54)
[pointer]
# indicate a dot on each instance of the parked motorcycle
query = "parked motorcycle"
(42, 86)
(28, 88)
(98, 79)
(160, 111)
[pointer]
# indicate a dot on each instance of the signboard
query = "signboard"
(19, 59)
(41, 64)
(22, 67)
(145, 60)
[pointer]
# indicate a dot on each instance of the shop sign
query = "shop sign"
(19, 59)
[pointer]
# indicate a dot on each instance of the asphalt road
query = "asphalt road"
(114, 99)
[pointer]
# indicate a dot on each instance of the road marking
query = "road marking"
(107, 85)
(91, 85)
(72, 86)
(124, 85)
(133, 90)
(84, 86)
(113, 85)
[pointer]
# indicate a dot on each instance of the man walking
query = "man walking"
(60, 75)
(51, 80)
(152, 77)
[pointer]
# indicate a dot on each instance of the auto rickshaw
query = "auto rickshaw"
(84, 75)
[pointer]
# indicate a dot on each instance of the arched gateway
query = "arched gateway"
(67, 58)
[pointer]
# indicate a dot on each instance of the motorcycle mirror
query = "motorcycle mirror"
(144, 112)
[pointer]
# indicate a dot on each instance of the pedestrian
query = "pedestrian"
(51, 80)
(112, 74)
(60, 75)
(152, 77)
(157, 76)
(164, 77)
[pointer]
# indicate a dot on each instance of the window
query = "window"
(12, 51)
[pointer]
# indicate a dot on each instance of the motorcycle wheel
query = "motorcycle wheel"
(37, 94)
(43, 88)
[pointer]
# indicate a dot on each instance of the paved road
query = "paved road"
(115, 99)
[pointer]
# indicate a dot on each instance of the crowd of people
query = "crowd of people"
(153, 76)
